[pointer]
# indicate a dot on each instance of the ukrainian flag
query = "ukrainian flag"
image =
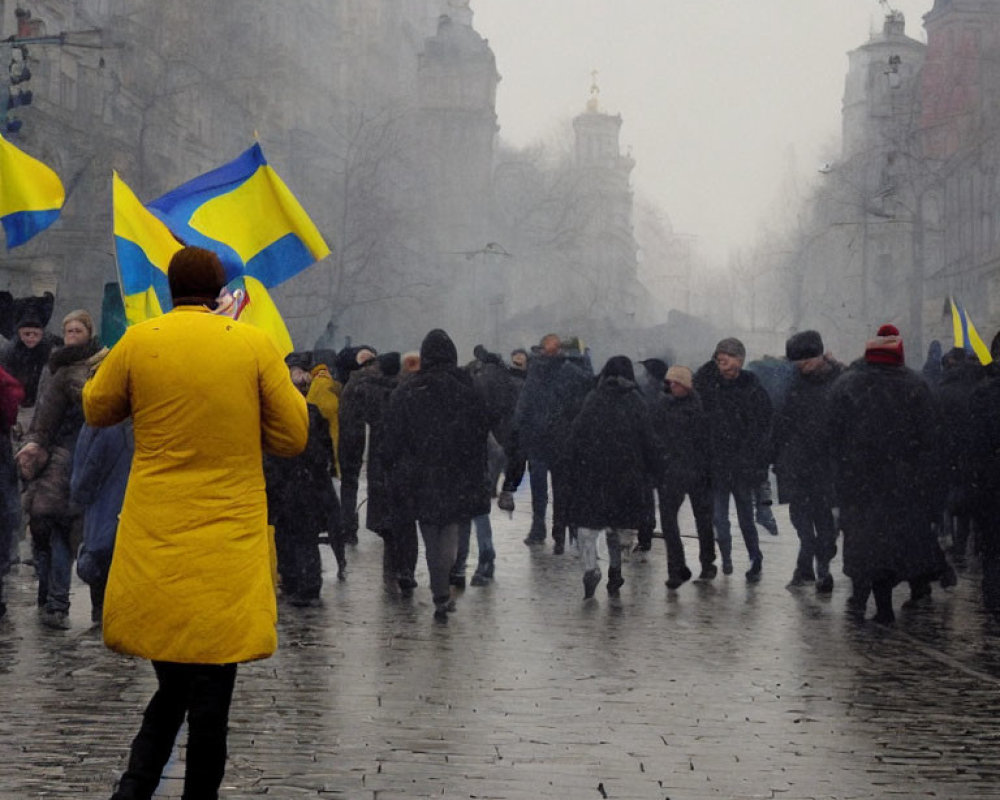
(144, 247)
(31, 195)
(966, 335)
(245, 213)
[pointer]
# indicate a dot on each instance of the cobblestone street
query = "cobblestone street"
(717, 690)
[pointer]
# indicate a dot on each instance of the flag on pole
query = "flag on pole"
(245, 213)
(966, 335)
(31, 195)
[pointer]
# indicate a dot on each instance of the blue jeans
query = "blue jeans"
(484, 541)
(743, 497)
(50, 540)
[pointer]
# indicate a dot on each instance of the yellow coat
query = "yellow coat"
(191, 580)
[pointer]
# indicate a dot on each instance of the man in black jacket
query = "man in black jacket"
(802, 458)
(739, 413)
(435, 449)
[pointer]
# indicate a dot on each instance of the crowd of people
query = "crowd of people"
(901, 462)
(191, 475)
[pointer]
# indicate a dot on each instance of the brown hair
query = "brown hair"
(82, 316)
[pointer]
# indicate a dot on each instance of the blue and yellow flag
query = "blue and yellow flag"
(144, 247)
(966, 335)
(245, 213)
(31, 195)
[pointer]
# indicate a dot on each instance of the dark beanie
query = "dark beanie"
(618, 367)
(656, 367)
(389, 363)
(437, 349)
(195, 276)
(803, 345)
(302, 360)
(731, 347)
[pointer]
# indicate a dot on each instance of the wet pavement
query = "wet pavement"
(716, 690)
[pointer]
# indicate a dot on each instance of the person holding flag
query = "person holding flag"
(191, 586)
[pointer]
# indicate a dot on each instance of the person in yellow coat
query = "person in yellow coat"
(190, 586)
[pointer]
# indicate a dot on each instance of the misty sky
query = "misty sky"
(718, 97)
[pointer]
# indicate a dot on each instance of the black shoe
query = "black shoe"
(825, 584)
(58, 620)
(458, 581)
(921, 600)
(615, 581)
(683, 576)
(802, 576)
(591, 578)
(407, 583)
(440, 614)
(537, 533)
(856, 606)
(884, 617)
(949, 577)
(559, 547)
(478, 579)
(727, 567)
(753, 574)
(642, 547)
(300, 601)
(351, 539)
(708, 572)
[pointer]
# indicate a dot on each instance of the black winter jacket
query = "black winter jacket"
(614, 457)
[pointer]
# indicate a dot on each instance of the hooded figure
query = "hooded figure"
(436, 429)
(615, 460)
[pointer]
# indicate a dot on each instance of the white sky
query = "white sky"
(718, 96)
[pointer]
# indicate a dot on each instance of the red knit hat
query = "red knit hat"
(886, 347)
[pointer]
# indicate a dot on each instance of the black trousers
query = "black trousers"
(671, 497)
(202, 693)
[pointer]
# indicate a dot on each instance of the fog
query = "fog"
(722, 100)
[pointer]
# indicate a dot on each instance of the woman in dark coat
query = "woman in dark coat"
(436, 430)
(363, 404)
(885, 430)
(46, 460)
(615, 459)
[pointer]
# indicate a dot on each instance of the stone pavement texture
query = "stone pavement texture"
(716, 690)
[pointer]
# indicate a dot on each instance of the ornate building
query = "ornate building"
(379, 115)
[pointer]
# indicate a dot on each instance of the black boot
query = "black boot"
(559, 537)
(615, 581)
(682, 576)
